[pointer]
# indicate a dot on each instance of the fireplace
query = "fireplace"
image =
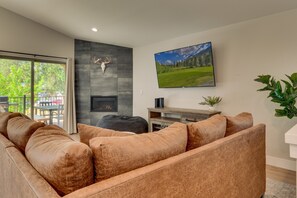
(104, 103)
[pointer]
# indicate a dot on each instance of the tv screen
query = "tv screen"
(186, 67)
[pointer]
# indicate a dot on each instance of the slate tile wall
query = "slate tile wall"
(90, 80)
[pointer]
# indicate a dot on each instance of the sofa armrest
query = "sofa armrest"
(21, 179)
(233, 166)
(4, 142)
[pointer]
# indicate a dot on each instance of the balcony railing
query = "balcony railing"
(23, 103)
(45, 109)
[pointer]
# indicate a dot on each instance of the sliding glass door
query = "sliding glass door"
(49, 83)
(35, 88)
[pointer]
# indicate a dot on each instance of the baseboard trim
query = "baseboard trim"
(281, 163)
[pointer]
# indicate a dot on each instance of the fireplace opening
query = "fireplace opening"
(104, 103)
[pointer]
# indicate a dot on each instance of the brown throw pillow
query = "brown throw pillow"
(4, 117)
(240, 122)
(20, 129)
(64, 163)
(206, 131)
(87, 132)
(117, 155)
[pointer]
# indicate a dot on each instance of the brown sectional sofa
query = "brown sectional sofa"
(231, 166)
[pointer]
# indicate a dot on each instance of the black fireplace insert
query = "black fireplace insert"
(104, 103)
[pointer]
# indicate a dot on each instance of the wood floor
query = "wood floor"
(280, 174)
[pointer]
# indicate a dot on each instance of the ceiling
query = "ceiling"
(135, 23)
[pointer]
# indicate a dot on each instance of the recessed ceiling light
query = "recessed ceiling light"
(94, 29)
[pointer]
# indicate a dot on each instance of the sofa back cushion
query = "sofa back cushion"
(4, 117)
(239, 122)
(206, 131)
(116, 155)
(87, 132)
(20, 129)
(64, 163)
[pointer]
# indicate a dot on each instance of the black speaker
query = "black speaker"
(156, 102)
(159, 102)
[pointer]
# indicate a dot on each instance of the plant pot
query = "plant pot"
(211, 108)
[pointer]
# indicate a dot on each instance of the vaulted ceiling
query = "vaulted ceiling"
(140, 22)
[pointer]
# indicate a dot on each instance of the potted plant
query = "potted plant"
(211, 101)
(285, 95)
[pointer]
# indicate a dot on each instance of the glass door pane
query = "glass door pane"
(49, 83)
(15, 85)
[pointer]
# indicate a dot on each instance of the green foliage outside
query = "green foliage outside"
(285, 95)
(15, 78)
(185, 76)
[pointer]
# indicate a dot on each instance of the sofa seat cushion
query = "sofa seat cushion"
(206, 131)
(4, 117)
(20, 129)
(239, 122)
(64, 163)
(87, 132)
(116, 155)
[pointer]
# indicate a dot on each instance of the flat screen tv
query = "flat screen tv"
(186, 67)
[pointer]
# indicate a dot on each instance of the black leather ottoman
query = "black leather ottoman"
(134, 124)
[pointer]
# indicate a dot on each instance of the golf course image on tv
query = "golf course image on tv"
(186, 67)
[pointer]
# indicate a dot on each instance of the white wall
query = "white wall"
(20, 34)
(242, 51)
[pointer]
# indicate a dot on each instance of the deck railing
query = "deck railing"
(23, 103)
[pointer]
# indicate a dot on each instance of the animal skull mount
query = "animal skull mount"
(101, 62)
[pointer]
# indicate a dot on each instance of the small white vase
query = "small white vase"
(211, 108)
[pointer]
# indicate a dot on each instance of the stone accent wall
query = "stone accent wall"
(91, 81)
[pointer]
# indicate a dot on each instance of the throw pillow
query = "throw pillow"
(117, 155)
(240, 122)
(206, 131)
(87, 132)
(20, 129)
(4, 117)
(64, 163)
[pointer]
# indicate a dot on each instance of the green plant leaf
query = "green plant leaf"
(293, 79)
(288, 84)
(267, 88)
(263, 79)
(211, 100)
(285, 95)
(280, 113)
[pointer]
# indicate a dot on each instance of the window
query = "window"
(33, 87)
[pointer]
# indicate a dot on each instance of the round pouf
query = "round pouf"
(134, 124)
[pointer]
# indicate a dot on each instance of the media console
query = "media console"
(159, 118)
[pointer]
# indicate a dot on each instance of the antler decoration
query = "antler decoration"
(101, 62)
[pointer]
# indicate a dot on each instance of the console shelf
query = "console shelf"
(162, 117)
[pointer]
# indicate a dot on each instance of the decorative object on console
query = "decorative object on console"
(211, 101)
(190, 66)
(285, 96)
(102, 62)
(159, 102)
